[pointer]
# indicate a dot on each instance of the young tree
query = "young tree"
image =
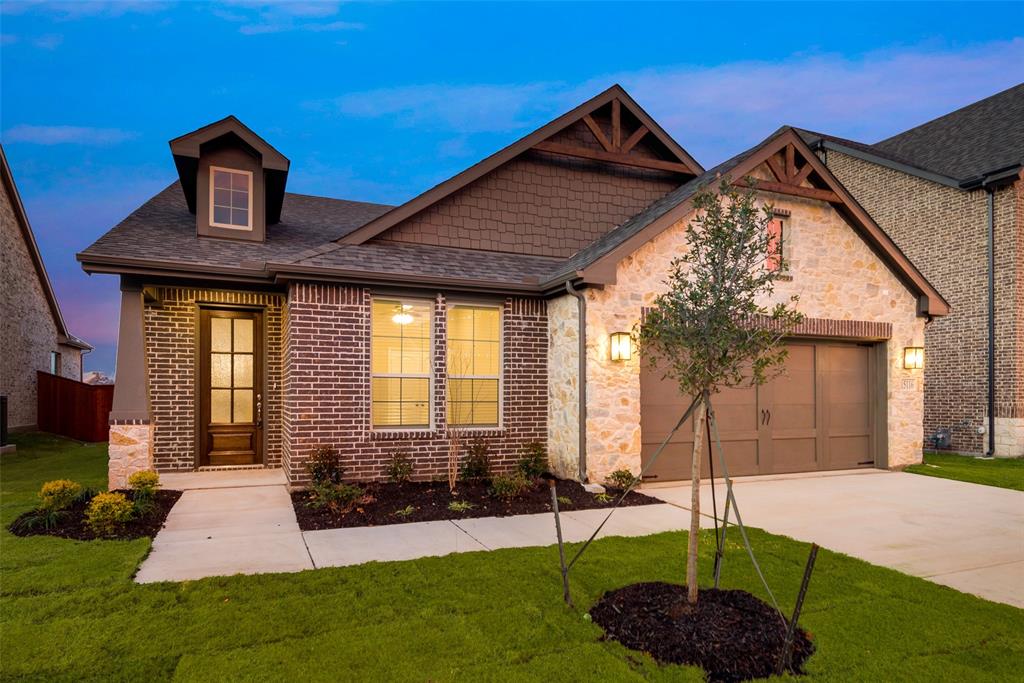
(710, 328)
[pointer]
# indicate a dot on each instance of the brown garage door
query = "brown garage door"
(816, 415)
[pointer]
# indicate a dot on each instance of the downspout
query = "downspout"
(991, 323)
(581, 306)
(81, 363)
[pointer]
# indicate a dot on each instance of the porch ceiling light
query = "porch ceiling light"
(913, 357)
(621, 346)
(402, 316)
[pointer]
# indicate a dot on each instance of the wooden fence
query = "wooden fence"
(73, 409)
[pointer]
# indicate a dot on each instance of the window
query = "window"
(230, 198)
(400, 363)
(55, 363)
(474, 365)
(776, 237)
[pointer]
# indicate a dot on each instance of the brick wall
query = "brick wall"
(944, 232)
(540, 203)
(327, 385)
(170, 356)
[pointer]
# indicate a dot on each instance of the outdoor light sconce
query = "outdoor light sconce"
(621, 347)
(913, 357)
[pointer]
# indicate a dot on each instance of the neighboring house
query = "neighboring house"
(33, 335)
(951, 195)
(257, 325)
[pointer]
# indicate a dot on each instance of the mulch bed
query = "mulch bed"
(429, 501)
(731, 634)
(72, 524)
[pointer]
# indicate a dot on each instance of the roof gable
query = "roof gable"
(614, 142)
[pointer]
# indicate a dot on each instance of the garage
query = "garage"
(818, 414)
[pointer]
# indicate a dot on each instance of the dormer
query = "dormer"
(233, 180)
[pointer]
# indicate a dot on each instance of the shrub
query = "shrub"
(534, 461)
(58, 495)
(405, 512)
(399, 470)
(620, 479)
(509, 486)
(564, 500)
(324, 466)
(460, 506)
(477, 466)
(144, 483)
(340, 498)
(603, 498)
(108, 513)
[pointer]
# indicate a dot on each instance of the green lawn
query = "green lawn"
(69, 611)
(1007, 473)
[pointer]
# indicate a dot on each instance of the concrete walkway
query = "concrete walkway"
(966, 536)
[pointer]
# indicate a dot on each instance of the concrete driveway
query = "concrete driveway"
(966, 536)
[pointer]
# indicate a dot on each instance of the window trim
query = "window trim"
(429, 376)
(56, 363)
(499, 306)
(228, 226)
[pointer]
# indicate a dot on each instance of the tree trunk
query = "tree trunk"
(691, 551)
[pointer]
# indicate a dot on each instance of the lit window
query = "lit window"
(400, 364)
(776, 244)
(230, 199)
(474, 365)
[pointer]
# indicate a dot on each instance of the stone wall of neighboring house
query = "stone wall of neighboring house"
(28, 332)
(327, 386)
(836, 275)
(944, 232)
(563, 386)
(170, 331)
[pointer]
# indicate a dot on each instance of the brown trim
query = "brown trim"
(611, 157)
(188, 144)
(794, 190)
(457, 182)
(602, 269)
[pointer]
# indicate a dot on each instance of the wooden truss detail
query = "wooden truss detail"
(789, 177)
(614, 150)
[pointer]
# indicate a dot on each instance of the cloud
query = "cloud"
(260, 18)
(50, 41)
(717, 111)
(279, 27)
(69, 11)
(8, 39)
(61, 135)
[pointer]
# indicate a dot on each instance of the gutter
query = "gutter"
(581, 304)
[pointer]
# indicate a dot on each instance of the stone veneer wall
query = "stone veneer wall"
(327, 386)
(836, 275)
(28, 332)
(944, 232)
(563, 386)
(170, 329)
(130, 451)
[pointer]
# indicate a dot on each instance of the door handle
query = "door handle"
(259, 411)
(769, 417)
(764, 417)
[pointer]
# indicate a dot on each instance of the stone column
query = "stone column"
(131, 430)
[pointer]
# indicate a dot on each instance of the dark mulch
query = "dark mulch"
(72, 522)
(731, 634)
(429, 501)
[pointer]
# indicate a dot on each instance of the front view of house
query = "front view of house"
(257, 325)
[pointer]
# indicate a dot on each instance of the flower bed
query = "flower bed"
(397, 503)
(71, 521)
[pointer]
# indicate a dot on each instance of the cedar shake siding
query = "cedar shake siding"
(327, 386)
(171, 359)
(539, 203)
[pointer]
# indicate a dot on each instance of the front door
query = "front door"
(230, 386)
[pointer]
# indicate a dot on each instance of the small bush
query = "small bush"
(405, 512)
(534, 461)
(460, 506)
(58, 495)
(399, 470)
(108, 513)
(340, 498)
(144, 483)
(564, 500)
(509, 486)
(324, 466)
(477, 466)
(603, 498)
(620, 479)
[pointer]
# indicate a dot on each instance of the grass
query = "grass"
(1006, 473)
(69, 610)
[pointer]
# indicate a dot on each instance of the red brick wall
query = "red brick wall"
(170, 354)
(327, 385)
(541, 204)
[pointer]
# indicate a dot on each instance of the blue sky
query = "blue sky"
(380, 101)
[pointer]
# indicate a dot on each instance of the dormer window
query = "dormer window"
(230, 198)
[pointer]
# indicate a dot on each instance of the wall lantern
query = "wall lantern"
(621, 346)
(913, 357)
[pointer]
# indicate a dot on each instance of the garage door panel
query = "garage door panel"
(660, 419)
(849, 451)
(673, 463)
(794, 454)
(847, 417)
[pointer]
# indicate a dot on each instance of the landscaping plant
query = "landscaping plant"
(324, 466)
(55, 497)
(710, 330)
(144, 486)
(620, 479)
(108, 513)
(460, 506)
(509, 486)
(534, 462)
(339, 498)
(477, 465)
(399, 469)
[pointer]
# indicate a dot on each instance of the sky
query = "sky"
(379, 102)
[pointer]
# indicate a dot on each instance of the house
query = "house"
(950, 193)
(33, 334)
(257, 324)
